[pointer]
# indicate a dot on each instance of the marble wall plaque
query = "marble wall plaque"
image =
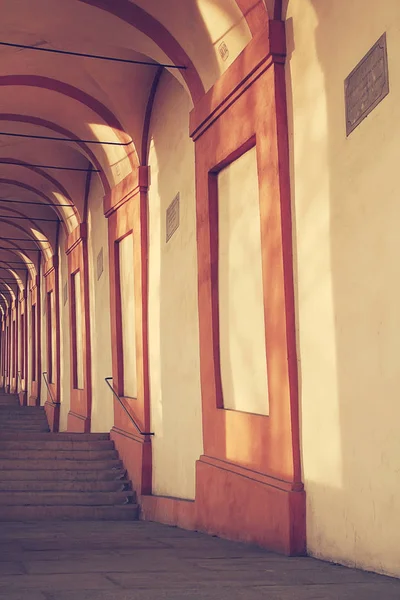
(172, 218)
(366, 85)
(100, 265)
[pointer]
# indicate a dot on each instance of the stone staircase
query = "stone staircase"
(58, 476)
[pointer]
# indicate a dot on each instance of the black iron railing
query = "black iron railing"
(53, 402)
(107, 380)
(20, 381)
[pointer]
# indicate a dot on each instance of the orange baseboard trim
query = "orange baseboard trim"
(53, 416)
(250, 508)
(77, 423)
(23, 398)
(33, 400)
(169, 511)
(237, 504)
(135, 453)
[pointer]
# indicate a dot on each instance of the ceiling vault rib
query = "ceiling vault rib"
(20, 249)
(57, 167)
(59, 139)
(52, 204)
(94, 56)
(12, 217)
(14, 239)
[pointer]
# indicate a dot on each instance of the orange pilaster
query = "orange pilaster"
(126, 210)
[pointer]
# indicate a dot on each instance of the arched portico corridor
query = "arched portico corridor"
(173, 288)
(110, 175)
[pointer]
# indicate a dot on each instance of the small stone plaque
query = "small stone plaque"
(172, 220)
(223, 51)
(366, 85)
(100, 264)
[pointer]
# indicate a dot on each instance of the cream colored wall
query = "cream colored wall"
(128, 317)
(78, 318)
(240, 288)
(28, 333)
(173, 310)
(100, 326)
(65, 332)
(43, 337)
(346, 247)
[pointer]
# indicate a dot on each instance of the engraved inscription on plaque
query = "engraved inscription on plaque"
(172, 220)
(366, 85)
(223, 51)
(100, 265)
(65, 293)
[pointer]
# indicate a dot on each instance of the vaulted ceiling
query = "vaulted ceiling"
(87, 101)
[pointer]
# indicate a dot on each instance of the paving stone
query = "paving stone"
(107, 564)
(146, 561)
(11, 568)
(171, 594)
(23, 596)
(327, 592)
(79, 581)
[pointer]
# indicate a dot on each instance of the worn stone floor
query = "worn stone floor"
(147, 561)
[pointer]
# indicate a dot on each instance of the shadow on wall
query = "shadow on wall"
(346, 248)
(174, 362)
(173, 313)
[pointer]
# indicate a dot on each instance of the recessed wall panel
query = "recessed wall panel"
(127, 307)
(240, 288)
(79, 382)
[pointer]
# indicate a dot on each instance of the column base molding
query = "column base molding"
(77, 423)
(23, 398)
(135, 453)
(237, 504)
(53, 416)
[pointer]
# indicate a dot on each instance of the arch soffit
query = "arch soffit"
(113, 158)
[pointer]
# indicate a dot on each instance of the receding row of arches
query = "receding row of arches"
(123, 185)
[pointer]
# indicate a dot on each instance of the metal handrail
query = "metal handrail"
(107, 380)
(20, 381)
(53, 402)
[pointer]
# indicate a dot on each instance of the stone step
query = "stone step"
(18, 406)
(22, 420)
(30, 429)
(27, 410)
(50, 436)
(22, 423)
(28, 426)
(123, 512)
(52, 464)
(62, 475)
(66, 498)
(24, 426)
(16, 485)
(48, 454)
(55, 445)
(22, 411)
(58, 476)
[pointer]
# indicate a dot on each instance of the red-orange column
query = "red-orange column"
(126, 210)
(81, 391)
(51, 282)
(8, 350)
(258, 496)
(34, 353)
(23, 349)
(14, 346)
